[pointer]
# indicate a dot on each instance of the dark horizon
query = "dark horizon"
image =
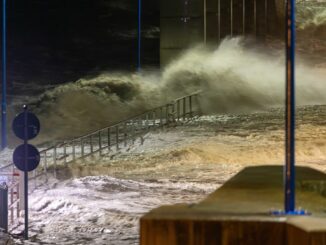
(57, 41)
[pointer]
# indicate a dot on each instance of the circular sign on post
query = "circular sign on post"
(33, 126)
(33, 157)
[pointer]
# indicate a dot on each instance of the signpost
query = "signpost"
(26, 157)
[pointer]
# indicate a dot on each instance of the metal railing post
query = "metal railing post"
(190, 106)
(17, 205)
(11, 206)
(117, 136)
(4, 207)
(46, 166)
(91, 143)
(82, 147)
(184, 108)
(178, 110)
(100, 142)
(73, 150)
(147, 122)
(243, 17)
(65, 153)
(109, 138)
(55, 161)
(125, 134)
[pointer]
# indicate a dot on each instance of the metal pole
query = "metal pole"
(266, 17)
(219, 20)
(290, 108)
(46, 166)
(161, 116)
(178, 110)
(73, 150)
(91, 142)
(100, 141)
(4, 206)
(190, 106)
(82, 147)
(244, 17)
(184, 108)
(117, 137)
(4, 77)
(125, 134)
(205, 23)
(55, 161)
(139, 35)
(26, 174)
(109, 139)
(255, 17)
(65, 153)
(231, 18)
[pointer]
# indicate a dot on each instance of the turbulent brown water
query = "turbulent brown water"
(100, 201)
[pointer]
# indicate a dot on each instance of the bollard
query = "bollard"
(4, 207)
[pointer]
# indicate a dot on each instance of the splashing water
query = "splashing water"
(233, 79)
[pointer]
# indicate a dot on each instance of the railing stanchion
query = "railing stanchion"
(17, 197)
(34, 177)
(147, 122)
(125, 134)
(55, 161)
(133, 132)
(11, 206)
(73, 150)
(154, 118)
(190, 106)
(82, 147)
(161, 116)
(117, 136)
(100, 142)
(109, 138)
(91, 143)
(46, 166)
(65, 153)
(184, 108)
(178, 110)
(4, 206)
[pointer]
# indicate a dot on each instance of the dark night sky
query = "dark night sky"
(57, 41)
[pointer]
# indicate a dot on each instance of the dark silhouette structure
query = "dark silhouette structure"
(185, 23)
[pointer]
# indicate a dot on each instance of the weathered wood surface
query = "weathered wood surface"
(238, 213)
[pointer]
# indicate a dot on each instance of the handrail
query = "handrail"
(121, 121)
(177, 110)
(122, 132)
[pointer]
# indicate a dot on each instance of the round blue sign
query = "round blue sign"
(30, 153)
(32, 126)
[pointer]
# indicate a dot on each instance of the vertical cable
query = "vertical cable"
(205, 23)
(4, 78)
(139, 36)
(231, 18)
(255, 17)
(243, 17)
(219, 20)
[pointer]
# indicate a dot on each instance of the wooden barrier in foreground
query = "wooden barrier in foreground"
(238, 213)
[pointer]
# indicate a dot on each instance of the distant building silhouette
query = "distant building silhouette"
(185, 23)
